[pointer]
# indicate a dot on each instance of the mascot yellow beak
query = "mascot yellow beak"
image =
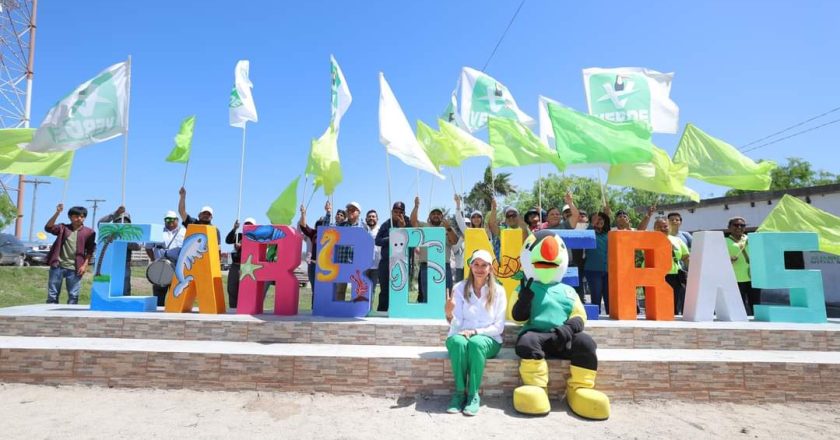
(547, 255)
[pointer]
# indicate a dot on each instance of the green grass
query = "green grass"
(28, 285)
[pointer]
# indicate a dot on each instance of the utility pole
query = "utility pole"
(95, 205)
(35, 182)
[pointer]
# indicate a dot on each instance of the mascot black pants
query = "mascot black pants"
(538, 345)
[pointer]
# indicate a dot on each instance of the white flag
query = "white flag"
(632, 93)
(341, 97)
(94, 112)
(450, 113)
(395, 132)
(546, 129)
(242, 108)
(483, 96)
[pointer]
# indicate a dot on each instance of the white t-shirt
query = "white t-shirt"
(472, 313)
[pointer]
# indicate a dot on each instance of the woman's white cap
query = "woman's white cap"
(481, 254)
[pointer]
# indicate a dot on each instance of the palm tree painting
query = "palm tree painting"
(109, 233)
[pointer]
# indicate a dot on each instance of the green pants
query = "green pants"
(468, 357)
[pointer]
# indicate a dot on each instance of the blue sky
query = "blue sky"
(742, 70)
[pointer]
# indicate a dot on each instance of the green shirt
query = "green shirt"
(679, 251)
(552, 305)
(741, 265)
(67, 255)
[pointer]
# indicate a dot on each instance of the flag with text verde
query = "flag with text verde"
(94, 112)
(660, 175)
(183, 142)
(516, 145)
(15, 160)
(713, 160)
(282, 211)
(584, 139)
(793, 215)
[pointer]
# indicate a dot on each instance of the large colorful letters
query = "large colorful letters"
(625, 276)
(767, 269)
(330, 272)
(711, 287)
(107, 293)
(401, 241)
(255, 271)
(198, 273)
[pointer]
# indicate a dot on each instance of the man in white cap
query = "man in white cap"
(205, 216)
(170, 247)
(235, 239)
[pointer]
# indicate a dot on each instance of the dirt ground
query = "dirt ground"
(80, 412)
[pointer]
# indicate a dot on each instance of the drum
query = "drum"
(160, 272)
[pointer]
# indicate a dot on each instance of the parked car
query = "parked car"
(12, 250)
(36, 253)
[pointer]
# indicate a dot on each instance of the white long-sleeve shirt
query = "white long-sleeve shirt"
(472, 313)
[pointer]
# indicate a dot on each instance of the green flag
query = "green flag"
(94, 112)
(660, 175)
(585, 139)
(462, 143)
(284, 207)
(713, 160)
(515, 145)
(323, 164)
(15, 160)
(794, 215)
(183, 142)
(440, 150)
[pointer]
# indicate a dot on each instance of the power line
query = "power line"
(503, 36)
(799, 124)
(792, 135)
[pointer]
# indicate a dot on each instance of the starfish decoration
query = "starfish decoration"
(247, 269)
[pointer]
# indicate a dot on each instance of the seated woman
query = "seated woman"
(476, 314)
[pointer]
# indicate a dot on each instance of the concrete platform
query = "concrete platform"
(77, 321)
(718, 361)
(703, 375)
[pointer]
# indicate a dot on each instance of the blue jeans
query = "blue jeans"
(74, 285)
(599, 288)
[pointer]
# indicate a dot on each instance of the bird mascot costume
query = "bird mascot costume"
(554, 320)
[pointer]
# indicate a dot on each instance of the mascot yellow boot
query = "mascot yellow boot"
(554, 319)
(532, 397)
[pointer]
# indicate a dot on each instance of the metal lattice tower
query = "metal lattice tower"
(17, 39)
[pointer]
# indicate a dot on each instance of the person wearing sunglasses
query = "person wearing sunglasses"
(170, 247)
(736, 243)
(512, 221)
(398, 219)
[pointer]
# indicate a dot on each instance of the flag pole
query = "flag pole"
(539, 186)
(64, 192)
(186, 167)
(305, 182)
(388, 173)
(241, 175)
(125, 143)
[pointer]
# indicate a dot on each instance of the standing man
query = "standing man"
(70, 253)
(397, 220)
(312, 235)
(674, 223)
(372, 226)
(737, 244)
(235, 239)
(435, 220)
(205, 216)
(121, 216)
(170, 247)
(344, 254)
(512, 221)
